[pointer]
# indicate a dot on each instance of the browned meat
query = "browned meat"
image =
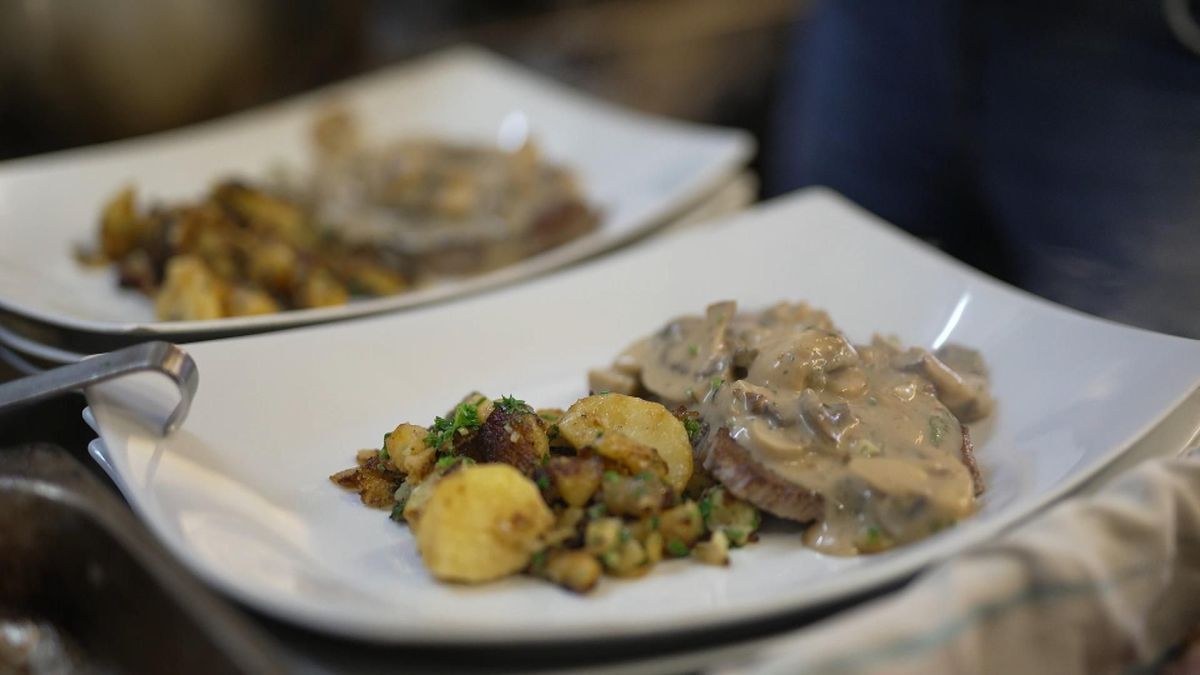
(734, 468)
(968, 458)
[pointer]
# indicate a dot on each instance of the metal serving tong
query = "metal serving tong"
(161, 357)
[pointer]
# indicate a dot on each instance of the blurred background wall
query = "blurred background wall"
(1053, 145)
(74, 72)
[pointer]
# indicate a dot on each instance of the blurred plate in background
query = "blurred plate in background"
(640, 171)
(31, 346)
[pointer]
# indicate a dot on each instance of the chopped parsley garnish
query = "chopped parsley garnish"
(383, 453)
(692, 426)
(693, 349)
(513, 406)
(398, 513)
(596, 511)
(538, 562)
(625, 535)
(654, 522)
(543, 482)
(466, 416)
(677, 548)
(611, 476)
(706, 507)
(715, 384)
(450, 460)
(874, 536)
(937, 429)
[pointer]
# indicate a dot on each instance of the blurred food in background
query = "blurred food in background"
(369, 218)
(1056, 148)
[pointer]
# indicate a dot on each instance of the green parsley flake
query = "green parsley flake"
(398, 513)
(538, 562)
(450, 460)
(543, 482)
(692, 426)
(513, 406)
(677, 548)
(693, 349)
(937, 429)
(466, 416)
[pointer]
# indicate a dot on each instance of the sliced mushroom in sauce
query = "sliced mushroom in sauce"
(871, 433)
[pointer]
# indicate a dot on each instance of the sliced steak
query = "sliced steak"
(968, 458)
(734, 468)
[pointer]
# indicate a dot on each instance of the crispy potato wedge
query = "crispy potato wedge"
(408, 451)
(482, 522)
(512, 437)
(615, 424)
(576, 478)
(371, 479)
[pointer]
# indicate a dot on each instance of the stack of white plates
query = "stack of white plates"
(642, 172)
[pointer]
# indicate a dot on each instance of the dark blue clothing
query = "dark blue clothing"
(1054, 144)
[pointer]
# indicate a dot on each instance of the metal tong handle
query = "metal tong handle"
(162, 357)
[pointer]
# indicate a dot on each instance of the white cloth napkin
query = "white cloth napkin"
(1104, 583)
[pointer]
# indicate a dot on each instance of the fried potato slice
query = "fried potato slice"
(615, 426)
(408, 451)
(482, 522)
(511, 436)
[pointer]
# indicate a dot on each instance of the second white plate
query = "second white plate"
(639, 170)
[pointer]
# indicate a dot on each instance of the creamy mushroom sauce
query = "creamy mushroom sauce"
(872, 429)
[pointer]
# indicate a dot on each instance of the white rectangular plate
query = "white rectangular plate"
(638, 170)
(241, 492)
